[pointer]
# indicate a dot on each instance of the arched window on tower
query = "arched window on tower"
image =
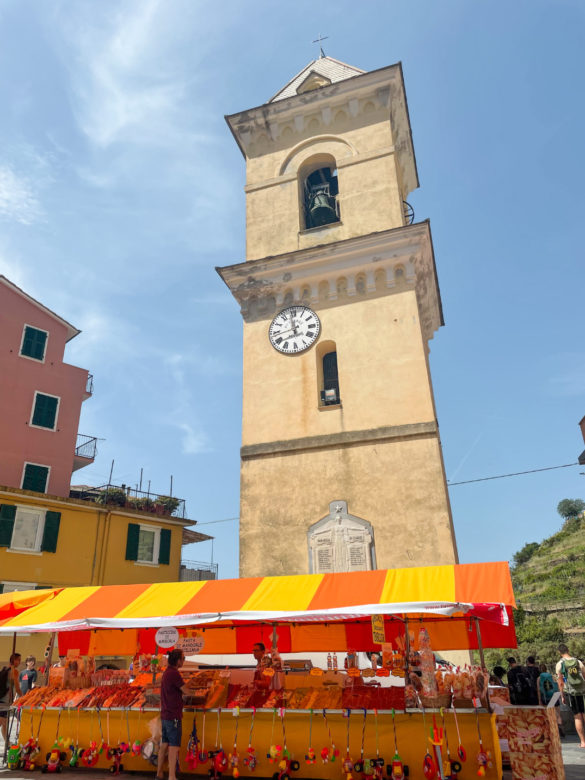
(330, 391)
(320, 191)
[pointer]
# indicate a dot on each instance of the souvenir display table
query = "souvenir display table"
(275, 721)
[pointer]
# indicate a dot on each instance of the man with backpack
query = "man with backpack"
(571, 678)
(519, 684)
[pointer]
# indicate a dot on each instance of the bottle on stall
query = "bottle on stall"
(335, 662)
(329, 661)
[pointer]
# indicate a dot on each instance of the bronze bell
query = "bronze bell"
(322, 209)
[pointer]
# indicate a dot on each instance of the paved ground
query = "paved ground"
(573, 755)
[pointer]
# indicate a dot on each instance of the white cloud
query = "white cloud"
(194, 442)
(127, 83)
(18, 201)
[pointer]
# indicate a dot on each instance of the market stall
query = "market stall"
(267, 720)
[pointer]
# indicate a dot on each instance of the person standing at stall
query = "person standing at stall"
(171, 713)
(28, 676)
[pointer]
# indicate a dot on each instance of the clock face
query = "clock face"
(294, 329)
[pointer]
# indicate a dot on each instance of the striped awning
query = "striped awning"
(311, 598)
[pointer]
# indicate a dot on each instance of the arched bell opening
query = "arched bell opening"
(319, 192)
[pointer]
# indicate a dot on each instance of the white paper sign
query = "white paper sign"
(191, 645)
(166, 637)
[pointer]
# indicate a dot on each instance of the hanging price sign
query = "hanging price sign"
(190, 645)
(166, 637)
(378, 630)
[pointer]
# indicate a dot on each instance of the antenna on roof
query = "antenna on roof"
(319, 40)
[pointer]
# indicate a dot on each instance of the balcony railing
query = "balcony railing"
(194, 571)
(133, 499)
(86, 446)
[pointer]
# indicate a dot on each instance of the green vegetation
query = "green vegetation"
(549, 584)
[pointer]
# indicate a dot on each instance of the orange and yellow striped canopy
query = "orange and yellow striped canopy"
(431, 590)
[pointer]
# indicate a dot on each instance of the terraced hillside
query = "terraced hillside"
(549, 584)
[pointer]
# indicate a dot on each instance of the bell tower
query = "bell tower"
(341, 462)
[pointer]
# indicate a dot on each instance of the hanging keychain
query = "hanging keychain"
(286, 765)
(451, 768)
(274, 751)
(220, 760)
(234, 759)
(461, 752)
(436, 740)
(31, 749)
(251, 761)
(76, 751)
(330, 753)
(89, 757)
(347, 762)
(137, 744)
(203, 755)
(377, 764)
(398, 772)
(429, 766)
(484, 757)
(359, 765)
(310, 754)
(193, 746)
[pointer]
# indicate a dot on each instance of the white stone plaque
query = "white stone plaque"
(340, 542)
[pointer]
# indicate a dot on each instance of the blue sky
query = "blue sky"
(121, 189)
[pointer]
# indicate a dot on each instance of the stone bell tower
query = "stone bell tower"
(341, 462)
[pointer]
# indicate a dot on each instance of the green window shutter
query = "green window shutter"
(132, 542)
(45, 411)
(1, 587)
(33, 343)
(7, 515)
(42, 587)
(51, 531)
(35, 478)
(164, 550)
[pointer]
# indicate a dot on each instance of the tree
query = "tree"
(526, 553)
(570, 507)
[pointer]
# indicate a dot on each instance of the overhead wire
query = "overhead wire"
(449, 484)
(512, 474)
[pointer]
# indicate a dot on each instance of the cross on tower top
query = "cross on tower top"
(319, 40)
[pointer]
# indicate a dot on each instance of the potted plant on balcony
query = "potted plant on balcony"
(115, 496)
(167, 505)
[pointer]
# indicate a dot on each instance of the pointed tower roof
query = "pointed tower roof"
(318, 73)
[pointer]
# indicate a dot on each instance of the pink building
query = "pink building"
(40, 397)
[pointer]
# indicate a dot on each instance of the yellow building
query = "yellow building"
(49, 541)
(341, 462)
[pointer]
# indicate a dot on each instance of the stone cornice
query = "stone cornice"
(384, 263)
(383, 87)
(343, 439)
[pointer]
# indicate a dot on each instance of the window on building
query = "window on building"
(13, 587)
(35, 477)
(34, 343)
(320, 190)
(28, 529)
(45, 410)
(148, 540)
(330, 392)
(148, 544)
